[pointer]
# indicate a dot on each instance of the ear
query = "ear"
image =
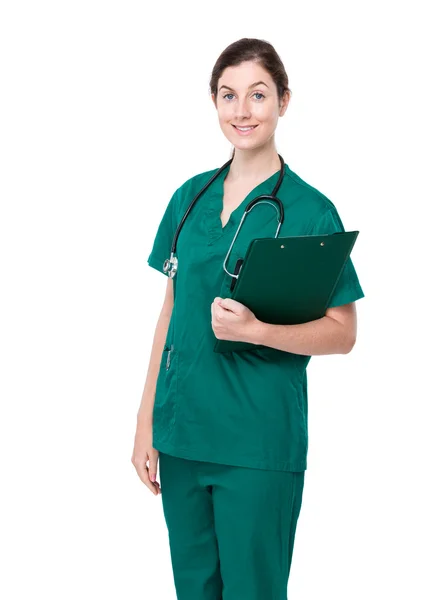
(284, 103)
(213, 98)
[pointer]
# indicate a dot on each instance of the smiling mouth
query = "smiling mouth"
(245, 128)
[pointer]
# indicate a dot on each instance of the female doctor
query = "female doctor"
(230, 429)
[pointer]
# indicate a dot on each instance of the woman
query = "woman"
(230, 429)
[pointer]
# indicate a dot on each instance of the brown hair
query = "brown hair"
(251, 49)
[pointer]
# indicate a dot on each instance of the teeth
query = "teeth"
(244, 128)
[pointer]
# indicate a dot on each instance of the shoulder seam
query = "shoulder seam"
(320, 216)
(294, 177)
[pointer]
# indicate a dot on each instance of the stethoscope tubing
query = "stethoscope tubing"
(254, 202)
(171, 264)
(193, 202)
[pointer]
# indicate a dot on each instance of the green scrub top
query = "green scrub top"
(246, 408)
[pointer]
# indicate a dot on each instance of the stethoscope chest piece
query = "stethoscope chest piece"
(170, 265)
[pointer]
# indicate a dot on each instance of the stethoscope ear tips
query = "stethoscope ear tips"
(238, 266)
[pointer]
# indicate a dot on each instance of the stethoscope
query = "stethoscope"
(171, 264)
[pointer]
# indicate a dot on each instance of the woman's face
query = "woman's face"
(243, 101)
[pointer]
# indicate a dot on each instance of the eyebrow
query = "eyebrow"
(250, 86)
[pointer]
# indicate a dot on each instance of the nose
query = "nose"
(242, 109)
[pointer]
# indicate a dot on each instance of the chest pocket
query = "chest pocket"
(164, 409)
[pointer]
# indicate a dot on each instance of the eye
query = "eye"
(255, 94)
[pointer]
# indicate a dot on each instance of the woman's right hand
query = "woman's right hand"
(143, 451)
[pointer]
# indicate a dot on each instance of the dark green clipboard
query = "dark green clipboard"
(289, 280)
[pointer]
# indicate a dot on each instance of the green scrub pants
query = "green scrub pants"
(231, 529)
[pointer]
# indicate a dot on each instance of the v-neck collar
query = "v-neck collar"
(216, 194)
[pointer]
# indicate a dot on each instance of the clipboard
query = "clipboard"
(289, 280)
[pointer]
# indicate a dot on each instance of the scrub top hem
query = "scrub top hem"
(233, 461)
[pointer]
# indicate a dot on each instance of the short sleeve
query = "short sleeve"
(164, 236)
(348, 288)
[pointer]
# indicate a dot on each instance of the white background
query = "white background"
(105, 111)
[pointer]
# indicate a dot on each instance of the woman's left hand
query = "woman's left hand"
(232, 320)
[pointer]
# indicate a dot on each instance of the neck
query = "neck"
(256, 164)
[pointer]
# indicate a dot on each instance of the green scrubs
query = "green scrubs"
(231, 529)
(246, 408)
(231, 428)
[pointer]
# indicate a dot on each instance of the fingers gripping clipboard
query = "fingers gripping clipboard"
(289, 280)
